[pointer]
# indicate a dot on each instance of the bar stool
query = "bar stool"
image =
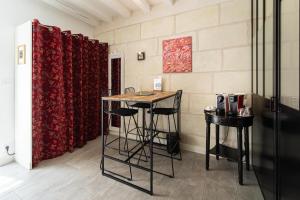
(142, 106)
(174, 148)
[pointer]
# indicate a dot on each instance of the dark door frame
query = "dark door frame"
(276, 72)
(115, 55)
(276, 86)
(275, 100)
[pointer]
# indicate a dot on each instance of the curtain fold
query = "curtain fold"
(104, 82)
(94, 90)
(67, 85)
(85, 81)
(48, 108)
(78, 66)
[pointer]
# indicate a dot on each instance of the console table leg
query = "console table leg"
(207, 144)
(240, 154)
(217, 141)
(247, 147)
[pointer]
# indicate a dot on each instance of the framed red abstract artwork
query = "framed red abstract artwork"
(177, 55)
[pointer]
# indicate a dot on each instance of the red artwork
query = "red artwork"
(177, 55)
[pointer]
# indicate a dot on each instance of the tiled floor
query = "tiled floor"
(77, 176)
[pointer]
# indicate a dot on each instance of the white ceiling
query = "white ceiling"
(95, 11)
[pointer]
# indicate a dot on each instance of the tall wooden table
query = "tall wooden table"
(151, 99)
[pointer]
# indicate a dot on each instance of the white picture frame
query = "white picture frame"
(21, 54)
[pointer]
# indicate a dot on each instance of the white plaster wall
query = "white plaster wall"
(23, 98)
(221, 32)
(12, 14)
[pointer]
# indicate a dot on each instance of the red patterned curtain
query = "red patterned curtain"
(69, 76)
(94, 90)
(85, 80)
(48, 99)
(68, 86)
(78, 73)
(104, 81)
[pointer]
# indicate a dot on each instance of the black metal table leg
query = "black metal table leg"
(207, 144)
(151, 149)
(143, 123)
(247, 147)
(217, 141)
(240, 154)
(102, 136)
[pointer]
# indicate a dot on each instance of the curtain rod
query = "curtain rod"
(75, 35)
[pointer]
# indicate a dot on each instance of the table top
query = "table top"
(213, 113)
(157, 96)
(228, 120)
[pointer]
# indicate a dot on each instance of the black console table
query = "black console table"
(221, 150)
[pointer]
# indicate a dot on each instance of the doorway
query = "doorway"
(275, 88)
(116, 85)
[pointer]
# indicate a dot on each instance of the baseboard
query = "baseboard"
(192, 148)
(4, 160)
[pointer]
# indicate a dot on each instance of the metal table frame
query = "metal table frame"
(117, 177)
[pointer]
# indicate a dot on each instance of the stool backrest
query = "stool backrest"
(129, 90)
(177, 100)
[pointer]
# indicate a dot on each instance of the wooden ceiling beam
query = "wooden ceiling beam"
(71, 11)
(117, 7)
(169, 2)
(143, 5)
(86, 6)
